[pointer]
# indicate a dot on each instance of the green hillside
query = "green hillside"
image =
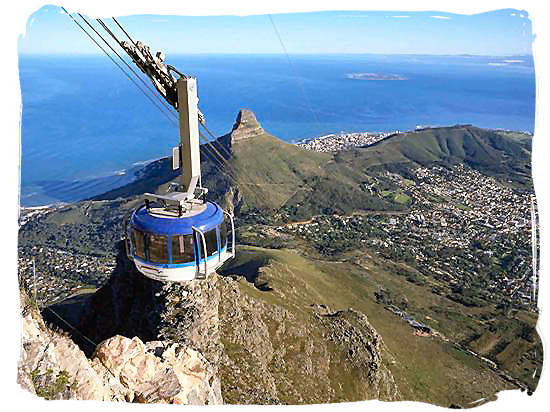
(424, 368)
(264, 173)
(490, 152)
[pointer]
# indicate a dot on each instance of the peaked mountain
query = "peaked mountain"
(253, 170)
(250, 170)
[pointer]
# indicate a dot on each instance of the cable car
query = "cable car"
(172, 248)
(178, 236)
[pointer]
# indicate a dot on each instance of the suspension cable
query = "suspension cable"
(215, 163)
(300, 83)
(126, 63)
(204, 137)
(124, 31)
(220, 156)
(230, 177)
(219, 161)
(243, 185)
(115, 63)
(130, 77)
(225, 162)
(94, 345)
(246, 175)
(221, 146)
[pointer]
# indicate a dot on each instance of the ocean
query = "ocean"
(86, 128)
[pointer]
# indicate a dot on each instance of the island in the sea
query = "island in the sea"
(374, 76)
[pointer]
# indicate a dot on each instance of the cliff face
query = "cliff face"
(121, 369)
(275, 355)
(156, 372)
(51, 364)
(262, 352)
(246, 126)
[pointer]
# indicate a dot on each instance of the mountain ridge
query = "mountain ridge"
(291, 168)
(281, 323)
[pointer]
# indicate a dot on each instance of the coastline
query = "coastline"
(61, 193)
(50, 193)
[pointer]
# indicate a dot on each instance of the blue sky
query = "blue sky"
(498, 33)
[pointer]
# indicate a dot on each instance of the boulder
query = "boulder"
(160, 373)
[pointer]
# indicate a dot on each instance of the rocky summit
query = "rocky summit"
(246, 126)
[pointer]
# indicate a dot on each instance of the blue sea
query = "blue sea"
(86, 128)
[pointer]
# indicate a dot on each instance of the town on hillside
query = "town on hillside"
(343, 141)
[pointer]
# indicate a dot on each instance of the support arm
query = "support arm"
(189, 134)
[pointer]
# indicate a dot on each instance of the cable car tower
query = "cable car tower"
(177, 236)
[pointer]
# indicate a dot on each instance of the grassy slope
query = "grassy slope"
(274, 175)
(425, 369)
(273, 169)
(485, 150)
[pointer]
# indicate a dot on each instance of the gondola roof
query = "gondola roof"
(210, 217)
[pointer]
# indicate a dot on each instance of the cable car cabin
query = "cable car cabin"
(180, 247)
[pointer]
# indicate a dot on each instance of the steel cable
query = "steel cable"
(116, 64)
(214, 154)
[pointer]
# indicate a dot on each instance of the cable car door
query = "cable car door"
(200, 253)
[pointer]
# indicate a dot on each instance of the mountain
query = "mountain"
(264, 349)
(277, 178)
(263, 173)
(491, 152)
(263, 179)
(317, 306)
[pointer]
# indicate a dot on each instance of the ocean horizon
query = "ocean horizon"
(86, 128)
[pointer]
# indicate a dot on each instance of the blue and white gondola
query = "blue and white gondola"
(180, 248)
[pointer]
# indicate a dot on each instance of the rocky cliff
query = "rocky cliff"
(121, 369)
(262, 352)
(274, 354)
(246, 127)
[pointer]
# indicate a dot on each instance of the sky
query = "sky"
(497, 33)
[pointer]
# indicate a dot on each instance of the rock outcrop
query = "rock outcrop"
(364, 350)
(51, 364)
(157, 372)
(130, 304)
(262, 352)
(214, 339)
(275, 355)
(246, 127)
(121, 369)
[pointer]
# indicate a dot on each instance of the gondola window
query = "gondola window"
(182, 249)
(223, 234)
(158, 249)
(139, 243)
(211, 242)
